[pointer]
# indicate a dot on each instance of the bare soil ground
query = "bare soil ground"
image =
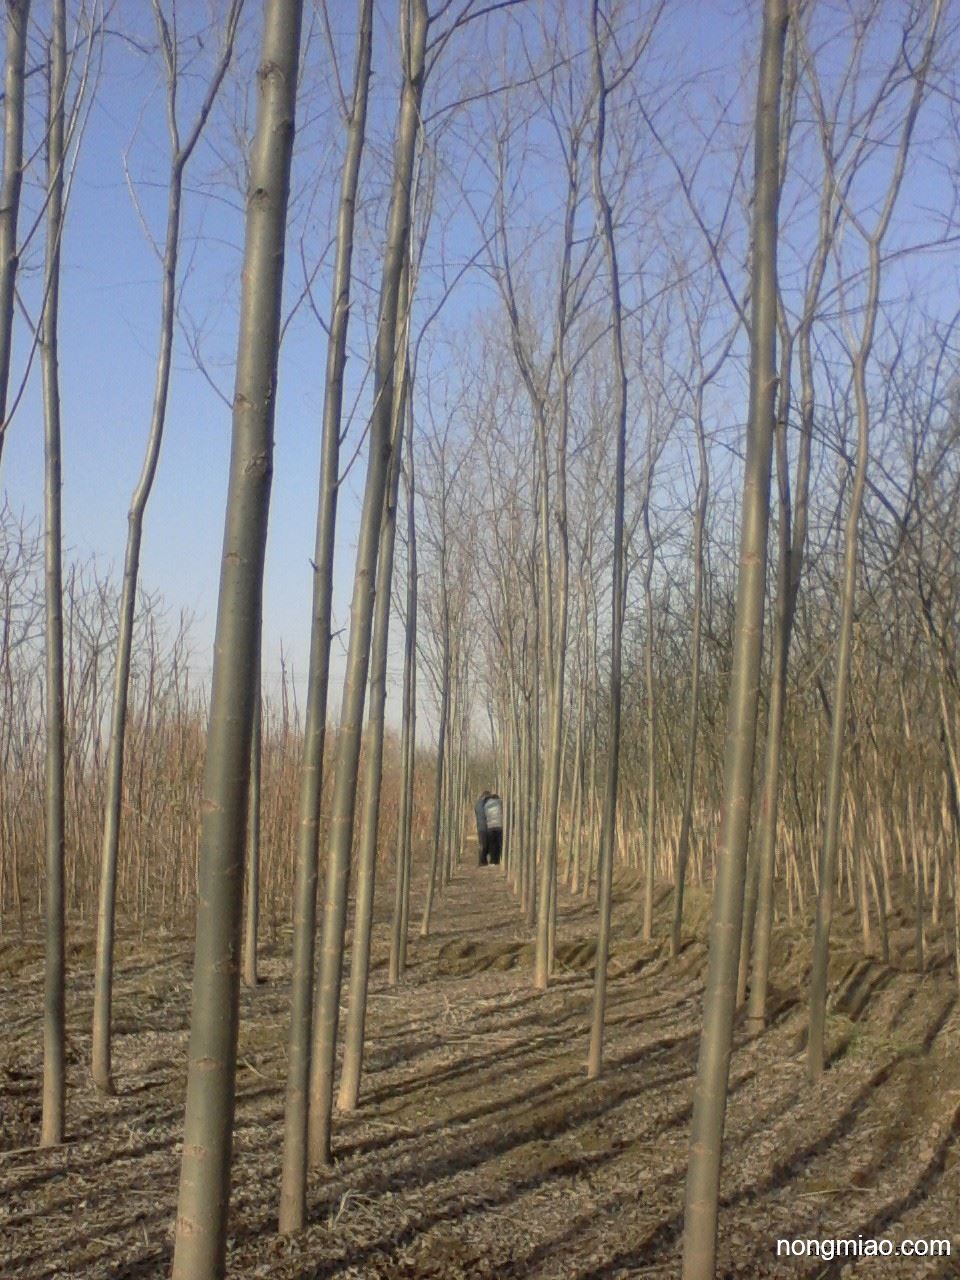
(479, 1149)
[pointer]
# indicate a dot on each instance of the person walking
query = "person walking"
(480, 810)
(493, 819)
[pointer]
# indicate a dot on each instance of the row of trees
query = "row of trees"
(167, 715)
(829, 368)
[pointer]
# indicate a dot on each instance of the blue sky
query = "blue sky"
(109, 325)
(110, 305)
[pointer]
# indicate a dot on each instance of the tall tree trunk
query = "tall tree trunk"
(592, 818)
(788, 590)
(556, 614)
(438, 806)
(533, 759)
(831, 830)
(200, 1246)
(526, 775)
(449, 771)
(293, 1208)
(18, 15)
(434, 868)
(576, 804)
(408, 748)
(693, 723)
(327, 1008)
(373, 763)
(252, 897)
(54, 1034)
(605, 869)
(757, 864)
(650, 834)
(710, 1095)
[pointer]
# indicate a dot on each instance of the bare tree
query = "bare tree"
(793, 507)
(54, 1032)
(608, 822)
(251, 909)
(201, 1235)
(293, 1180)
(182, 148)
(408, 738)
(860, 346)
(709, 1106)
(18, 16)
(376, 723)
(702, 376)
(547, 382)
(327, 1007)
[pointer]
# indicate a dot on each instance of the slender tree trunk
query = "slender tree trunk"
(113, 800)
(200, 1246)
(327, 1009)
(831, 830)
(605, 869)
(555, 638)
(592, 818)
(398, 940)
(434, 869)
(526, 866)
(18, 15)
(788, 590)
(761, 858)
(373, 763)
(693, 723)
(533, 764)
(252, 899)
(401, 888)
(449, 771)
(54, 1034)
(710, 1095)
(651, 828)
(293, 1208)
(576, 804)
(946, 677)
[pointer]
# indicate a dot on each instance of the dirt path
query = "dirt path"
(479, 1149)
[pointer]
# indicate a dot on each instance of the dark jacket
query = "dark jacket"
(480, 809)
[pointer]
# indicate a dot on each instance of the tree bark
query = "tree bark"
(760, 856)
(605, 869)
(251, 910)
(293, 1207)
(696, 641)
(792, 546)
(18, 15)
(327, 1007)
(438, 807)
(201, 1231)
(54, 1032)
(650, 833)
(709, 1106)
(373, 763)
(408, 747)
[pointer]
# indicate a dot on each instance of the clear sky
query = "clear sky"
(110, 298)
(109, 326)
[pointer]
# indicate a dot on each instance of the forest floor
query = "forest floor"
(479, 1148)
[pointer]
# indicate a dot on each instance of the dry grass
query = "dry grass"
(479, 1149)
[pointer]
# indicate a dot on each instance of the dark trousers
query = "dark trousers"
(494, 847)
